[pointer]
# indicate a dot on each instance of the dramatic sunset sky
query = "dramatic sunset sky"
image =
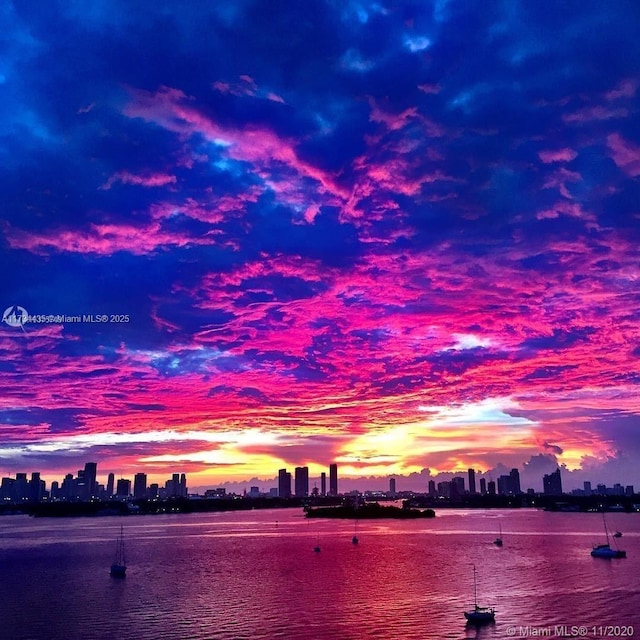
(399, 236)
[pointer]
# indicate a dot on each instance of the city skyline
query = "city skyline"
(398, 237)
(299, 485)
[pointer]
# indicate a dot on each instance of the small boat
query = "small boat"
(498, 540)
(605, 550)
(119, 566)
(317, 547)
(617, 534)
(354, 539)
(479, 615)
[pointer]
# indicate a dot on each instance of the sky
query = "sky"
(402, 237)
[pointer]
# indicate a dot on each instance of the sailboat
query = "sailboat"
(354, 540)
(605, 550)
(479, 615)
(119, 566)
(317, 547)
(498, 540)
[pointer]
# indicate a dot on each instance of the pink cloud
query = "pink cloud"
(246, 87)
(572, 209)
(222, 87)
(594, 113)
(212, 210)
(392, 121)
(260, 146)
(626, 89)
(311, 213)
(147, 180)
(102, 239)
(559, 180)
(557, 155)
(430, 88)
(87, 108)
(625, 154)
(275, 98)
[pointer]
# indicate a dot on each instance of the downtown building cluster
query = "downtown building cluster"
(301, 483)
(85, 487)
(509, 485)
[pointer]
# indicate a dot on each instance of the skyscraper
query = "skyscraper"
(552, 484)
(392, 486)
(504, 485)
(457, 486)
(284, 483)
(90, 484)
(123, 488)
(515, 482)
(323, 484)
(472, 481)
(483, 486)
(432, 487)
(36, 487)
(110, 482)
(302, 482)
(172, 486)
(333, 479)
(183, 485)
(140, 485)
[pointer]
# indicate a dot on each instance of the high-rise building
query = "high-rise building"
(457, 487)
(552, 484)
(21, 487)
(110, 483)
(80, 488)
(444, 489)
(504, 486)
(491, 488)
(183, 485)
(36, 487)
(123, 488)
(472, 481)
(301, 482)
(333, 479)
(323, 484)
(67, 489)
(432, 487)
(515, 482)
(172, 486)
(587, 488)
(90, 484)
(284, 483)
(483, 486)
(140, 485)
(392, 486)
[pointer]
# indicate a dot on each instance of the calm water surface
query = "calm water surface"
(254, 575)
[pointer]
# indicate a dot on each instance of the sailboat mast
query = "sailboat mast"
(475, 590)
(606, 531)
